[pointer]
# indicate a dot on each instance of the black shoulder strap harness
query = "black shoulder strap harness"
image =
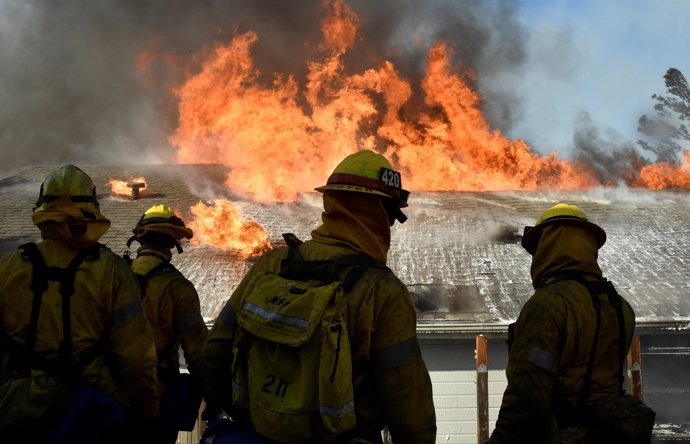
(143, 282)
(144, 279)
(62, 368)
(294, 267)
(595, 288)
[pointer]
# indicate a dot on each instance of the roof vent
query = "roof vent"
(136, 186)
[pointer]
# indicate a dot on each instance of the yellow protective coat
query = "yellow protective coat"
(105, 305)
(391, 383)
(552, 341)
(172, 307)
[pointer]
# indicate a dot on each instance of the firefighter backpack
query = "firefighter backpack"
(292, 368)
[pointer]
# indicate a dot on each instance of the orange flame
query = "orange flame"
(222, 226)
(339, 26)
(663, 175)
(120, 187)
(276, 148)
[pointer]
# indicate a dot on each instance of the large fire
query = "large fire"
(280, 140)
(121, 188)
(222, 226)
(663, 175)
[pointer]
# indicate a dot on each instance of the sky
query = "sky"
(604, 58)
(547, 71)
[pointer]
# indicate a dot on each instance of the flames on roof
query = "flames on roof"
(282, 139)
(131, 187)
(285, 138)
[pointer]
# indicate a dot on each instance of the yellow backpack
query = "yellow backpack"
(292, 368)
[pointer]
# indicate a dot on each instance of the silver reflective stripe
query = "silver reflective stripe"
(241, 389)
(189, 321)
(337, 412)
(397, 354)
(124, 314)
(543, 359)
(273, 316)
(228, 316)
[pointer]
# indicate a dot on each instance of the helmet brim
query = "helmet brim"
(174, 231)
(530, 240)
(357, 189)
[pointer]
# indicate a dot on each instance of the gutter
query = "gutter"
(448, 330)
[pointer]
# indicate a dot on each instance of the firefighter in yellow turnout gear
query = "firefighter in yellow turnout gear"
(566, 350)
(172, 307)
(75, 348)
(389, 379)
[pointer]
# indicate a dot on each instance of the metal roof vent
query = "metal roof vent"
(136, 186)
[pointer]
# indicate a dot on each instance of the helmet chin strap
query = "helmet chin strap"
(178, 247)
(394, 213)
(400, 216)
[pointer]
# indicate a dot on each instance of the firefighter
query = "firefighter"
(567, 348)
(76, 352)
(391, 385)
(172, 307)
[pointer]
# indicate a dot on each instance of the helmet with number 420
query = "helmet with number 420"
(371, 173)
(367, 172)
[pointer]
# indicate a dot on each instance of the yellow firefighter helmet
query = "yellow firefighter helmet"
(161, 219)
(68, 181)
(370, 173)
(560, 213)
(367, 172)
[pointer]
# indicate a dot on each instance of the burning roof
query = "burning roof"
(459, 252)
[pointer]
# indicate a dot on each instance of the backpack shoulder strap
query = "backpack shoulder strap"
(41, 274)
(358, 263)
(587, 386)
(66, 291)
(144, 279)
(326, 271)
(596, 287)
(39, 284)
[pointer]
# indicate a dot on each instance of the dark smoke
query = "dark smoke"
(610, 156)
(70, 89)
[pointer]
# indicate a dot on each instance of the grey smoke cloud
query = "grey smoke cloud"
(605, 150)
(70, 90)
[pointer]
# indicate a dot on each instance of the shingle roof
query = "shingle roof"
(459, 252)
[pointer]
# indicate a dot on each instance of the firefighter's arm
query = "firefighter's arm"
(217, 358)
(401, 377)
(189, 325)
(131, 342)
(526, 410)
(217, 354)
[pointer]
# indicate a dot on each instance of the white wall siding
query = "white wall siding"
(454, 378)
(455, 399)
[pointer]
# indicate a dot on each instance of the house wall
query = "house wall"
(666, 375)
(453, 374)
(451, 364)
